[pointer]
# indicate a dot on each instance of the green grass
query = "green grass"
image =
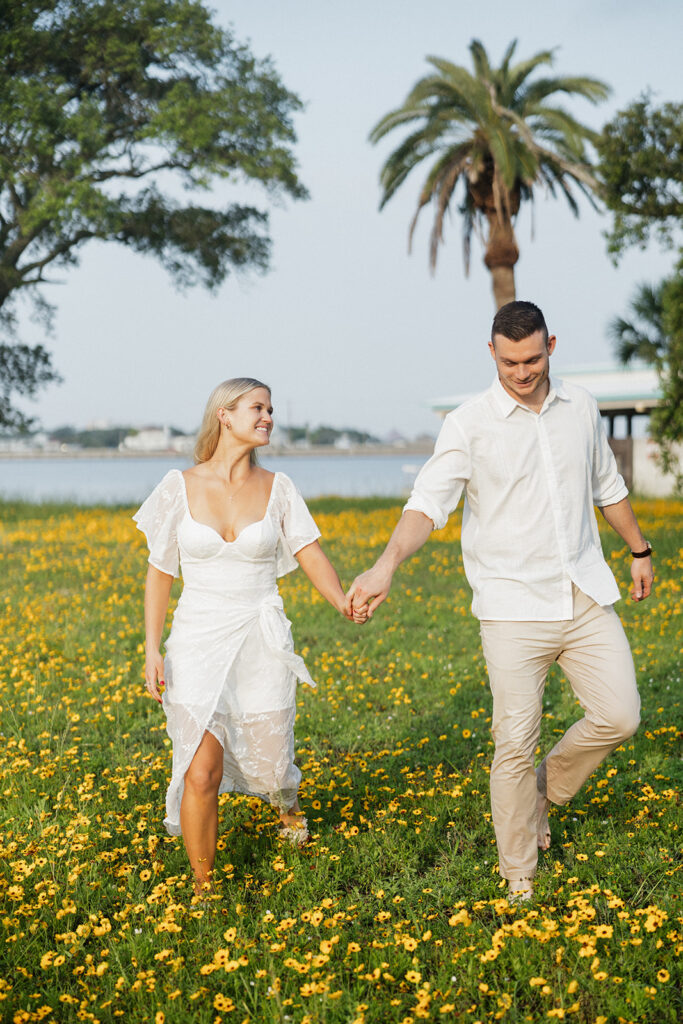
(395, 911)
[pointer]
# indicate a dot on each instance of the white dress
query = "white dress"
(230, 666)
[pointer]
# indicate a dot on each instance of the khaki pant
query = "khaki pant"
(593, 652)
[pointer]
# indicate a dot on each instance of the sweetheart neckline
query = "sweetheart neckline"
(206, 526)
(227, 543)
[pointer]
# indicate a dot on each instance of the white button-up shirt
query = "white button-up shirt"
(530, 481)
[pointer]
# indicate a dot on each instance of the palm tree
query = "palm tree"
(495, 131)
(643, 336)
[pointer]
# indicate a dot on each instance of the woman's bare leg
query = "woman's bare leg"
(199, 809)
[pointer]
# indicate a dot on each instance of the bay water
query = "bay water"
(120, 480)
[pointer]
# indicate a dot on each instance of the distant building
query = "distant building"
(39, 442)
(183, 443)
(149, 439)
(397, 440)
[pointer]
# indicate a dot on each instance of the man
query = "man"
(532, 456)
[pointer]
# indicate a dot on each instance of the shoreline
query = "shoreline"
(326, 450)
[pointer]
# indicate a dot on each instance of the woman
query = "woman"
(230, 673)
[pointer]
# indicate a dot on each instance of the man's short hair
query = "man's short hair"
(517, 320)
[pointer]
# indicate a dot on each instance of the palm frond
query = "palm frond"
(467, 225)
(451, 163)
(643, 337)
(579, 171)
(591, 89)
(394, 119)
(507, 57)
(565, 131)
(565, 188)
(648, 306)
(469, 88)
(401, 162)
(480, 60)
(518, 73)
(448, 185)
(501, 143)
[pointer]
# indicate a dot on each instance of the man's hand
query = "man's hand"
(371, 588)
(642, 575)
(368, 590)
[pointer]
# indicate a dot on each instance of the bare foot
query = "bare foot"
(204, 890)
(542, 826)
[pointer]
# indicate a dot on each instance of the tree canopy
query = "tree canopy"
(642, 335)
(112, 113)
(652, 332)
(499, 133)
(641, 173)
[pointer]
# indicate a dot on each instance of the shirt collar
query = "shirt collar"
(507, 404)
(557, 390)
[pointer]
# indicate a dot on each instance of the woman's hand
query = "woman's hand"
(357, 615)
(154, 674)
(360, 614)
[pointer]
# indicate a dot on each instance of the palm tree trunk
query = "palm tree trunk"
(503, 282)
(501, 255)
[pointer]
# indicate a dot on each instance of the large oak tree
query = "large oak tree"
(109, 111)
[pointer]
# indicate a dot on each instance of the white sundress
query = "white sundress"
(230, 666)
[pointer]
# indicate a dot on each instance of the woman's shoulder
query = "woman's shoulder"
(283, 485)
(174, 479)
(167, 499)
(171, 486)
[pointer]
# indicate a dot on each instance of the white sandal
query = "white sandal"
(296, 833)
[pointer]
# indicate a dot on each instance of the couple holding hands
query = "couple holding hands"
(532, 457)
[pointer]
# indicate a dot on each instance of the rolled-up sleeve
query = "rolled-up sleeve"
(608, 483)
(441, 480)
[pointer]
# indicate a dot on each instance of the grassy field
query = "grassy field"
(395, 911)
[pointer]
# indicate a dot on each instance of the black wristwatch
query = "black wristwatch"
(643, 554)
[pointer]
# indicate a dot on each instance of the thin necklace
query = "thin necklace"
(238, 489)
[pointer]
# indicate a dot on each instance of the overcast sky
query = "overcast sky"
(348, 328)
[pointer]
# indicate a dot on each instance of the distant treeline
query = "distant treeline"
(111, 437)
(104, 437)
(327, 435)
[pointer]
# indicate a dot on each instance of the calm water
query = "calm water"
(127, 481)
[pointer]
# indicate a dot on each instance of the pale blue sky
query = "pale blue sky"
(347, 328)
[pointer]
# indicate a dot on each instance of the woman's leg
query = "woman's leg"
(199, 808)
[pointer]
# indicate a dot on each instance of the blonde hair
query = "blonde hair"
(225, 396)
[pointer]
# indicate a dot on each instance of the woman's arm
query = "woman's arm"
(322, 575)
(157, 592)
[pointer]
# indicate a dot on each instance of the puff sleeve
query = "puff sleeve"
(297, 528)
(158, 518)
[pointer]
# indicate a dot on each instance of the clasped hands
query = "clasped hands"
(366, 594)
